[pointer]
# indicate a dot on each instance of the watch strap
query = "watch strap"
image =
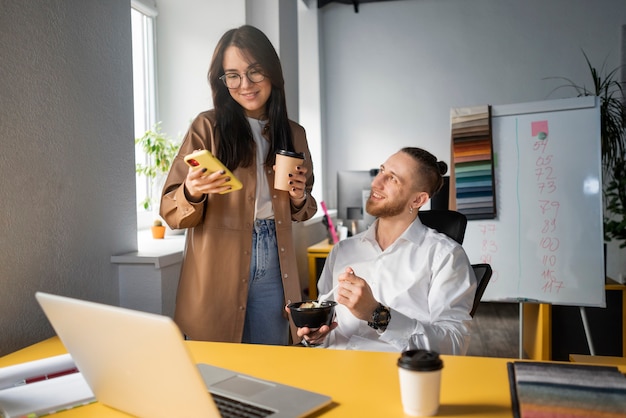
(380, 317)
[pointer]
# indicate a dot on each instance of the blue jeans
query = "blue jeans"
(265, 323)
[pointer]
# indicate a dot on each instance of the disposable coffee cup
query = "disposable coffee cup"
(420, 382)
(286, 162)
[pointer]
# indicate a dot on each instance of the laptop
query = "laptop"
(138, 363)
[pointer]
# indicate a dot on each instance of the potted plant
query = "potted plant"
(613, 145)
(615, 198)
(158, 230)
(160, 151)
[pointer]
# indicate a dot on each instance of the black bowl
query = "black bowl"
(312, 317)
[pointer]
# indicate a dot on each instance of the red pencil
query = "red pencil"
(49, 376)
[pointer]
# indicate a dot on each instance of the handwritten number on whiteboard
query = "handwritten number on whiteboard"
(553, 285)
(543, 161)
(544, 173)
(548, 187)
(487, 228)
(549, 225)
(540, 146)
(549, 260)
(548, 206)
(550, 243)
(489, 246)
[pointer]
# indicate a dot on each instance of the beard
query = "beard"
(386, 209)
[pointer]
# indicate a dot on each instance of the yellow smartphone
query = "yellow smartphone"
(204, 159)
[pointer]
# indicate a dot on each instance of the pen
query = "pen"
(46, 376)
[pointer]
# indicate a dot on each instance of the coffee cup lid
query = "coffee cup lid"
(291, 153)
(422, 360)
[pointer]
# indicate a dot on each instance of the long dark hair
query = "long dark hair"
(236, 146)
(430, 171)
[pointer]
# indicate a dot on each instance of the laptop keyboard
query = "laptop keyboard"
(230, 408)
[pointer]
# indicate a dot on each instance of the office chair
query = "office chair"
(447, 222)
(453, 224)
(483, 274)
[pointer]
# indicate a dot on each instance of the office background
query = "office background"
(381, 79)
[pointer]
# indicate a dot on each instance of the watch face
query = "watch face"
(383, 316)
(380, 317)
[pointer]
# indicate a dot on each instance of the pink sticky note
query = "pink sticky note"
(539, 126)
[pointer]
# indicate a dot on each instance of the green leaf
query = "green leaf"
(161, 151)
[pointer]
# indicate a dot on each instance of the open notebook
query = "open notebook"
(137, 362)
(565, 390)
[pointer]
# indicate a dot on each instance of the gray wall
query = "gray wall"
(187, 32)
(186, 41)
(67, 161)
(391, 72)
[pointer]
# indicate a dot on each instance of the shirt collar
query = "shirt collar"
(414, 233)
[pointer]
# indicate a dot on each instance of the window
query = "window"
(144, 91)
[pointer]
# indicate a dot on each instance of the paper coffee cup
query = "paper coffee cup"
(286, 162)
(420, 382)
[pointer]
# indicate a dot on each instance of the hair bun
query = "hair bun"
(443, 167)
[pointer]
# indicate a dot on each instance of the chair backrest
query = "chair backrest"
(483, 275)
(447, 222)
(453, 224)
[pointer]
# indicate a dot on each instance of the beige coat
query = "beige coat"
(213, 285)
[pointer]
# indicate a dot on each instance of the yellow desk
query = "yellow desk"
(316, 252)
(600, 360)
(362, 384)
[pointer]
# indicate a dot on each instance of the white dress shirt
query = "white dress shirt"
(424, 277)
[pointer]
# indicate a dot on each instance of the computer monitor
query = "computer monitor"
(353, 189)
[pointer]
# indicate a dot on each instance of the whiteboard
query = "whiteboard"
(546, 243)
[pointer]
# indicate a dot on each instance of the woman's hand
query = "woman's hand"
(297, 185)
(198, 183)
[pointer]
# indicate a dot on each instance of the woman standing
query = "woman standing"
(239, 267)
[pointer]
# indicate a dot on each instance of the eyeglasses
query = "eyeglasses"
(233, 80)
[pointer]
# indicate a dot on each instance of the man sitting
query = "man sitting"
(402, 285)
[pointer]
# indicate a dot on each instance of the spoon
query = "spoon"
(322, 298)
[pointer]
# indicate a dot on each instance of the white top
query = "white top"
(424, 277)
(263, 208)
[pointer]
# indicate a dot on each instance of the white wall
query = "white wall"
(67, 161)
(187, 33)
(279, 21)
(310, 107)
(391, 72)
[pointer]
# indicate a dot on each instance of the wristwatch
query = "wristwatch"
(380, 317)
